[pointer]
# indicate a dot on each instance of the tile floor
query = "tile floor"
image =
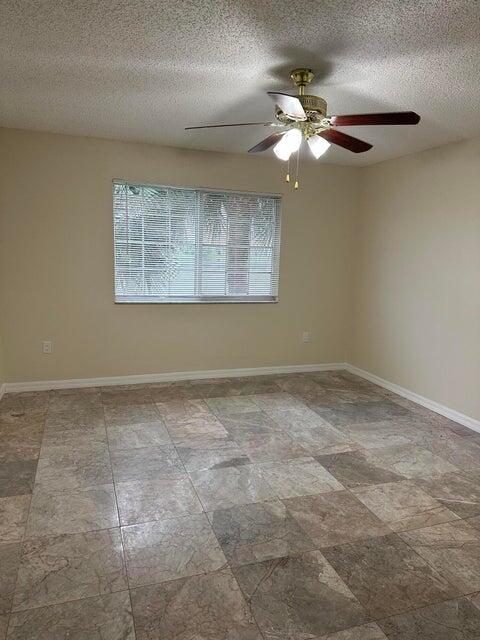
(296, 507)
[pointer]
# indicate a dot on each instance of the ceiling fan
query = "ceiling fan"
(304, 117)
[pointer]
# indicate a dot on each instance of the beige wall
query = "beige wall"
(56, 277)
(417, 303)
(3, 376)
(3, 373)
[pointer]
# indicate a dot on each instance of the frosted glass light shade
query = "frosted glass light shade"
(317, 145)
(288, 144)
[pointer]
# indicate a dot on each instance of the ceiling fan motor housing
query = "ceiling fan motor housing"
(314, 106)
(314, 103)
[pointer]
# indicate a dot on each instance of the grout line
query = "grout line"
(175, 446)
(426, 606)
(132, 612)
(59, 604)
(115, 494)
(120, 532)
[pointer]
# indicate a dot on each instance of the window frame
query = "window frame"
(242, 299)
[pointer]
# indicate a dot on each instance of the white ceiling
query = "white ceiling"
(142, 70)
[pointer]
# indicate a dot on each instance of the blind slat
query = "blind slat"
(181, 245)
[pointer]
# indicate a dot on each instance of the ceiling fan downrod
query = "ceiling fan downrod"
(301, 78)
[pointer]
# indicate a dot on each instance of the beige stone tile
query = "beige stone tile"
(277, 401)
(69, 567)
(20, 442)
(136, 436)
(298, 597)
(13, 517)
(76, 510)
(335, 518)
(79, 419)
(459, 492)
(195, 428)
(241, 426)
(403, 505)
(17, 478)
(128, 414)
(387, 576)
(3, 626)
(299, 477)
(453, 548)
(147, 463)
(224, 488)
(9, 561)
(341, 413)
(57, 442)
(322, 440)
(173, 411)
(357, 469)
(108, 617)
(232, 404)
(127, 394)
(412, 462)
(451, 620)
(215, 453)
(68, 469)
(207, 606)
(267, 447)
(370, 631)
(169, 549)
(144, 500)
(257, 532)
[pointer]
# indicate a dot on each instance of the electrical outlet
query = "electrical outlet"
(306, 336)
(47, 346)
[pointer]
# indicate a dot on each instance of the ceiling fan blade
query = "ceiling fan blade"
(399, 117)
(347, 142)
(236, 124)
(267, 142)
(290, 105)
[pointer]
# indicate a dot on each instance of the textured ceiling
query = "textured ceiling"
(142, 70)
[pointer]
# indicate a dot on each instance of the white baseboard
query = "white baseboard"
(456, 416)
(77, 383)
(3, 389)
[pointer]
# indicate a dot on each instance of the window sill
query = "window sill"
(191, 300)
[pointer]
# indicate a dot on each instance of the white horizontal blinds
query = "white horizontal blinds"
(155, 241)
(192, 245)
(239, 234)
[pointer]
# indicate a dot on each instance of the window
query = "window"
(194, 245)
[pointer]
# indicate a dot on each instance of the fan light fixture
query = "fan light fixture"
(291, 141)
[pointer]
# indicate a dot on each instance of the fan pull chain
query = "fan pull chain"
(287, 177)
(295, 186)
